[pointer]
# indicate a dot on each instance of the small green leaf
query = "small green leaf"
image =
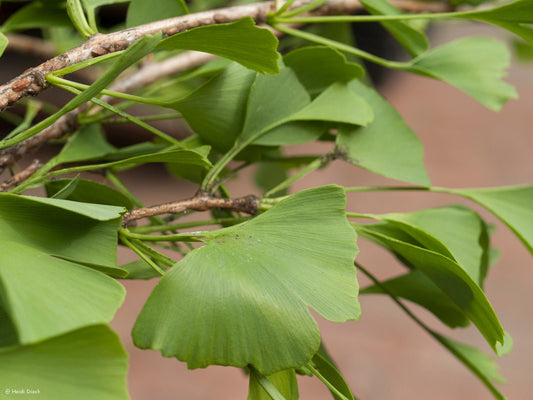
(3, 43)
(412, 40)
(387, 145)
(451, 278)
(66, 190)
(418, 288)
(67, 229)
(317, 67)
(139, 269)
(142, 12)
(249, 288)
(474, 65)
(240, 41)
(88, 192)
(284, 381)
(91, 6)
(88, 143)
(45, 296)
(89, 363)
(37, 14)
(512, 204)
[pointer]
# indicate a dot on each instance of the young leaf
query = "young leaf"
(240, 41)
(139, 269)
(88, 192)
(418, 288)
(75, 231)
(387, 145)
(253, 283)
(317, 67)
(142, 12)
(284, 381)
(412, 40)
(474, 65)
(45, 296)
(451, 278)
(511, 204)
(89, 363)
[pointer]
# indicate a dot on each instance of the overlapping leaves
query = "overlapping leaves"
(243, 298)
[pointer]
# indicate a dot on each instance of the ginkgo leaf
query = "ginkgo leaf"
(387, 145)
(89, 363)
(474, 65)
(142, 12)
(284, 381)
(76, 231)
(512, 204)
(240, 41)
(243, 298)
(45, 296)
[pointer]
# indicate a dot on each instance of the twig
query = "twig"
(21, 176)
(201, 202)
(33, 81)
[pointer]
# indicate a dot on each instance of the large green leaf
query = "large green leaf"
(243, 298)
(76, 231)
(451, 278)
(516, 17)
(284, 381)
(142, 11)
(86, 364)
(216, 110)
(474, 65)
(240, 41)
(415, 286)
(414, 41)
(317, 67)
(387, 145)
(512, 204)
(45, 296)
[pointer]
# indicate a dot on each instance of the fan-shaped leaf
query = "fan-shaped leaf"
(89, 363)
(387, 145)
(474, 65)
(243, 298)
(46, 296)
(240, 41)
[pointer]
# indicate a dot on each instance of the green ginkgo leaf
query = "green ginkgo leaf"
(284, 381)
(241, 41)
(82, 232)
(45, 296)
(512, 204)
(142, 12)
(387, 145)
(85, 364)
(244, 297)
(474, 65)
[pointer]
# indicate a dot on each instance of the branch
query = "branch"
(33, 81)
(21, 176)
(201, 202)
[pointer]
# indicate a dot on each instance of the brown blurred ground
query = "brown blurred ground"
(385, 355)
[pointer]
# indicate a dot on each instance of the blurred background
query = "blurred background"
(384, 355)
